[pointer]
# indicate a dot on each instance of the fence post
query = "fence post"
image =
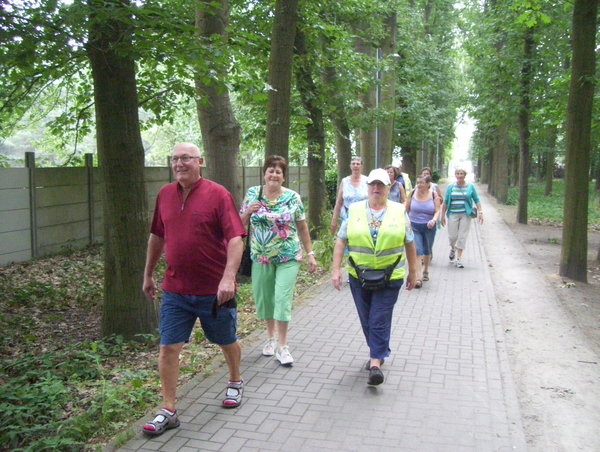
(89, 165)
(30, 164)
(169, 169)
(243, 178)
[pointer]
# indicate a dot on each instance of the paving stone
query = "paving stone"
(443, 390)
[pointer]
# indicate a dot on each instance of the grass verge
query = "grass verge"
(549, 209)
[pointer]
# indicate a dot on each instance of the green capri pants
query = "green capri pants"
(273, 287)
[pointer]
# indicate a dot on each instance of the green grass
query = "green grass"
(549, 209)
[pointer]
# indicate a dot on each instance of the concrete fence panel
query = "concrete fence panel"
(48, 210)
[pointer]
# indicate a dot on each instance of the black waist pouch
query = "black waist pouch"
(372, 279)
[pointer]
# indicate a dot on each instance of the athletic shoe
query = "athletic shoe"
(269, 348)
(452, 254)
(284, 356)
(459, 264)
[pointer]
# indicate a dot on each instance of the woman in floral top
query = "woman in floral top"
(277, 217)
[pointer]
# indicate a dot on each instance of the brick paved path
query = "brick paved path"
(447, 383)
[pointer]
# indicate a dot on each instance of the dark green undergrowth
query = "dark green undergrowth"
(549, 209)
(59, 400)
(62, 387)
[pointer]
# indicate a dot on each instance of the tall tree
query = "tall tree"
(524, 114)
(315, 132)
(341, 129)
(388, 90)
(280, 77)
(220, 129)
(573, 260)
(367, 131)
(121, 158)
(550, 160)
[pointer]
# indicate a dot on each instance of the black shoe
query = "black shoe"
(368, 364)
(375, 376)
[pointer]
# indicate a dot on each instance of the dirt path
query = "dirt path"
(551, 330)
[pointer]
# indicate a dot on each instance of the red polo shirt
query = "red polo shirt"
(196, 234)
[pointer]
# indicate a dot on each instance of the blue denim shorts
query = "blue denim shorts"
(178, 314)
(424, 238)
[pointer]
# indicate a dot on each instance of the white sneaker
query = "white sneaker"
(269, 348)
(459, 264)
(284, 357)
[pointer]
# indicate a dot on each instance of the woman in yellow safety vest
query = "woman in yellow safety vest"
(380, 241)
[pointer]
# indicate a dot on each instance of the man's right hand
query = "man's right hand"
(149, 288)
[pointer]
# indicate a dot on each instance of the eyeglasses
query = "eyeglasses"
(184, 159)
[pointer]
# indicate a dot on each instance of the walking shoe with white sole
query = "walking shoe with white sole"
(269, 348)
(459, 264)
(284, 356)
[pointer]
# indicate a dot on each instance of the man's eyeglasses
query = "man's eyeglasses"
(184, 159)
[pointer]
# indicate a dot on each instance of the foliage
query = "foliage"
(63, 389)
(59, 399)
(430, 87)
(325, 242)
(331, 185)
(493, 42)
(549, 209)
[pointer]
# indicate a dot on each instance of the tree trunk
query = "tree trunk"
(539, 168)
(573, 260)
(315, 132)
(388, 92)
(220, 129)
(121, 159)
(524, 113)
(490, 156)
(501, 189)
(280, 78)
(408, 162)
(514, 172)
(368, 99)
(550, 161)
(343, 144)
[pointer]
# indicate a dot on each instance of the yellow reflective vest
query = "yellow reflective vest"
(390, 239)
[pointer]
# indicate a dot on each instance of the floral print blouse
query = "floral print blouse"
(275, 236)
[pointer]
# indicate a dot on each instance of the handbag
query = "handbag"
(473, 209)
(246, 265)
(372, 279)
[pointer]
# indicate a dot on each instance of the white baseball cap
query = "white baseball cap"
(380, 175)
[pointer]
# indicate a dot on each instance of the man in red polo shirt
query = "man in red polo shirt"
(197, 225)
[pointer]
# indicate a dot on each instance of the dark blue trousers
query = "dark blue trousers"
(375, 309)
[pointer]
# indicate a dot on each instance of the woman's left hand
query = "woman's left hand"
(312, 264)
(431, 224)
